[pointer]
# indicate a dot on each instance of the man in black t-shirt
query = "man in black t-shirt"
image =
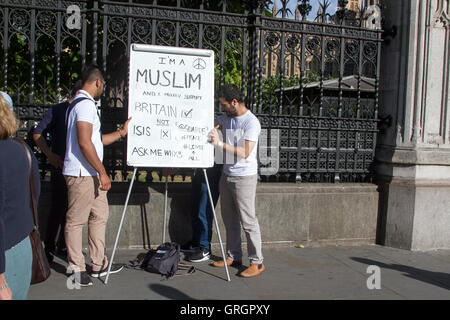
(53, 123)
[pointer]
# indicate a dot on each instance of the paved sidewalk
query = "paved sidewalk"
(291, 274)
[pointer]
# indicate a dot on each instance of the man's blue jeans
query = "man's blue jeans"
(202, 213)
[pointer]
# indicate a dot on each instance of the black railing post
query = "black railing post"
(58, 53)
(5, 47)
(94, 32)
(254, 15)
(32, 48)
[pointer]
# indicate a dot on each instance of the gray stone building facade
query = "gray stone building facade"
(413, 153)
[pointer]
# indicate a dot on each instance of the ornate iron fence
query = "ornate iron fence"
(313, 84)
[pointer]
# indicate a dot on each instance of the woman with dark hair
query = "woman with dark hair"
(16, 220)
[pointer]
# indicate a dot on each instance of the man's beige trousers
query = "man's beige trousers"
(86, 203)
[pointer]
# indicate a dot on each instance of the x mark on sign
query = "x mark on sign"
(165, 134)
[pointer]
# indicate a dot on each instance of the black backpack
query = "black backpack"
(165, 260)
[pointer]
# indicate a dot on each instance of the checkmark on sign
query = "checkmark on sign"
(186, 114)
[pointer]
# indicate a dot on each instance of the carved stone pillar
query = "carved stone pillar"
(413, 154)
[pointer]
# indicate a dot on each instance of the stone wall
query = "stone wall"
(289, 214)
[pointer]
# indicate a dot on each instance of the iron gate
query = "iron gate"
(313, 84)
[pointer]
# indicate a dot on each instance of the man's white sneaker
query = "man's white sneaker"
(114, 269)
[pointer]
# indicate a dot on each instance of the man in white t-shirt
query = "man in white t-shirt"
(240, 129)
(87, 180)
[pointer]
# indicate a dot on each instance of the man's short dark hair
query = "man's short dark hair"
(91, 73)
(230, 92)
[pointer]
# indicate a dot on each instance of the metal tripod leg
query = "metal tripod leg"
(165, 210)
(121, 223)
(217, 225)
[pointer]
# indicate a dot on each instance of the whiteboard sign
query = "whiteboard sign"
(171, 102)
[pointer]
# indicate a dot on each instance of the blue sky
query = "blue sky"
(314, 3)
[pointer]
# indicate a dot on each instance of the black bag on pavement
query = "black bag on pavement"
(141, 260)
(165, 260)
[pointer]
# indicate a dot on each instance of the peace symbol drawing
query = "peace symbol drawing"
(199, 64)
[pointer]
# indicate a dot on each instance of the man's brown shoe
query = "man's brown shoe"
(220, 264)
(253, 271)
